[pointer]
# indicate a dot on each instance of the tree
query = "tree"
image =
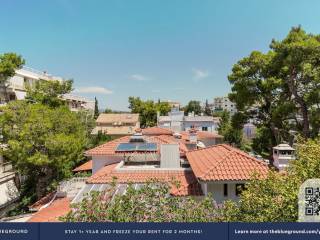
(96, 108)
(193, 106)
(9, 62)
(276, 88)
(276, 198)
(207, 109)
(49, 92)
(151, 203)
(43, 143)
(230, 128)
(148, 110)
(108, 110)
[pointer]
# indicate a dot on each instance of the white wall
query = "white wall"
(217, 191)
(99, 162)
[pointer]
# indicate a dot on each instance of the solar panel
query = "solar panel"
(131, 147)
(147, 147)
(126, 147)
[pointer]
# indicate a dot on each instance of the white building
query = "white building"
(282, 155)
(27, 77)
(177, 122)
(224, 104)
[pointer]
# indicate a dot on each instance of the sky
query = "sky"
(177, 50)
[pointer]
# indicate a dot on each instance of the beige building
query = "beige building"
(117, 124)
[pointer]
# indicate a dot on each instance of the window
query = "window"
(225, 190)
(204, 128)
(239, 188)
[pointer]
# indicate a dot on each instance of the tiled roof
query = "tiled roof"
(87, 166)
(109, 148)
(187, 181)
(118, 117)
(41, 202)
(56, 209)
(201, 135)
(156, 131)
(223, 162)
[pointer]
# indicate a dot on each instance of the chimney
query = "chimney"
(193, 135)
(169, 156)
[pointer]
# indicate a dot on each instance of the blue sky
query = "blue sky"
(168, 49)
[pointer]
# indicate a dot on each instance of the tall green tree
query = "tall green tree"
(207, 109)
(43, 143)
(148, 110)
(96, 108)
(277, 87)
(9, 62)
(193, 106)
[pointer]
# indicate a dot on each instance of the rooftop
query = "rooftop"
(87, 166)
(188, 184)
(118, 117)
(224, 163)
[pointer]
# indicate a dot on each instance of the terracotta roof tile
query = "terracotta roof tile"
(223, 162)
(41, 202)
(187, 181)
(156, 131)
(87, 166)
(56, 209)
(201, 135)
(118, 117)
(109, 148)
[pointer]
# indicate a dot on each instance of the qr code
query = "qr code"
(312, 201)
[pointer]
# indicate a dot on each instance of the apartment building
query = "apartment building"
(223, 104)
(27, 77)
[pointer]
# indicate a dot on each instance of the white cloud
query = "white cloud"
(138, 77)
(199, 73)
(93, 89)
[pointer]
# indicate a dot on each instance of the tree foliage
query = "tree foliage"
(148, 110)
(207, 109)
(275, 199)
(280, 89)
(49, 92)
(151, 203)
(96, 108)
(193, 106)
(43, 143)
(9, 63)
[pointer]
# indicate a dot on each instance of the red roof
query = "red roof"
(41, 202)
(201, 135)
(56, 209)
(87, 166)
(223, 162)
(187, 181)
(109, 148)
(154, 131)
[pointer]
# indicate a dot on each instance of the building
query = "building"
(223, 170)
(282, 155)
(117, 124)
(27, 77)
(224, 104)
(78, 103)
(136, 159)
(177, 122)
